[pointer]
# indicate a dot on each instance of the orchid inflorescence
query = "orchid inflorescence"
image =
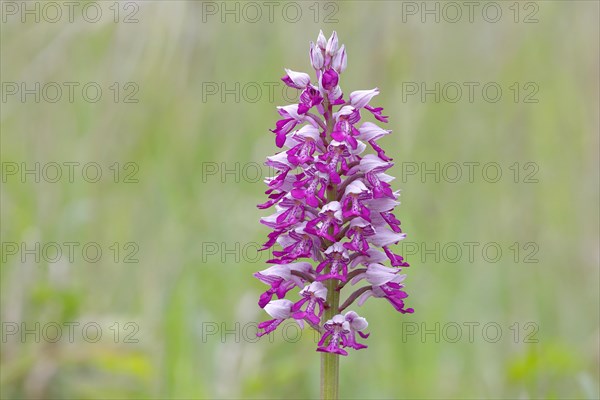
(333, 206)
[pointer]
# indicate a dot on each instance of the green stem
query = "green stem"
(330, 363)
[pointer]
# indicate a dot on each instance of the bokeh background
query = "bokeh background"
(178, 320)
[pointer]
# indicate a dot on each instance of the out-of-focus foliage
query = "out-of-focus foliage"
(182, 290)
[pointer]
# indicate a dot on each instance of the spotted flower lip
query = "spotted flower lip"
(336, 330)
(327, 223)
(335, 265)
(333, 228)
(314, 296)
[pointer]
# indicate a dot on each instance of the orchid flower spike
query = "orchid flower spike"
(333, 205)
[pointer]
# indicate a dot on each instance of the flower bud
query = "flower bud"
(321, 41)
(279, 309)
(330, 79)
(316, 57)
(332, 44)
(339, 61)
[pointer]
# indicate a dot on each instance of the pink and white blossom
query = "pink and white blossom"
(333, 224)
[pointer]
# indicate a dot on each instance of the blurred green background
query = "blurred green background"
(190, 226)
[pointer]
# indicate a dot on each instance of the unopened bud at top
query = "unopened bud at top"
(332, 44)
(316, 56)
(321, 41)
(340, 61)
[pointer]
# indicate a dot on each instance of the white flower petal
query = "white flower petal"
(321, 40)
(290, 110)
(357, 322)
(370, 131)
(318, 289)
(279, 309)
(355, 187)
(373, 256)
(363, 297)
(346, 110)
(385, 237)
(378, 274)
(300, 79)
(361, 98)
(371, 162)
(308, 131)
(382, 204)
(279, 270)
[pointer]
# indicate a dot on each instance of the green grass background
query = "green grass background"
(176, 290)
